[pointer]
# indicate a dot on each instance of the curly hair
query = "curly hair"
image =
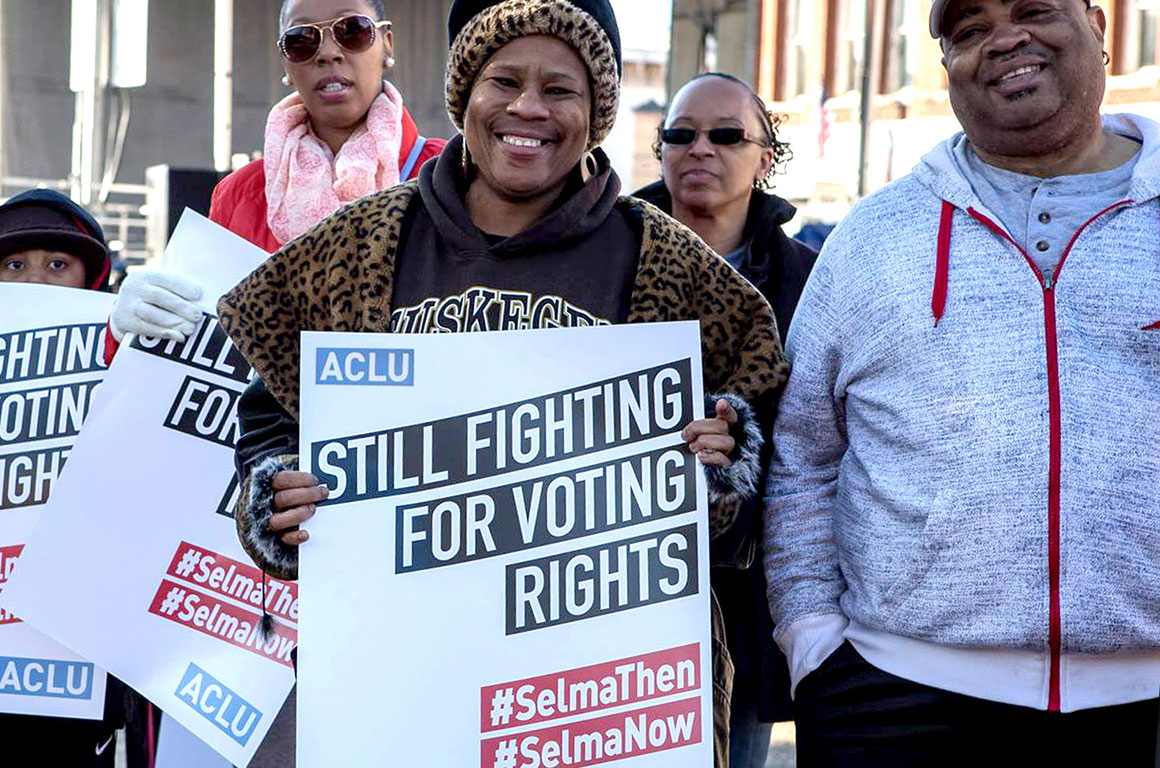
(768, 120)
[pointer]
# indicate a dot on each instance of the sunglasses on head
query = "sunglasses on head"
(355, 34)
(720, 136)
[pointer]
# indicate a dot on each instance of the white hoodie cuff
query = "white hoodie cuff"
(809, 641)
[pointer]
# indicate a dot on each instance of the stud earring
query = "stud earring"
(286, 80)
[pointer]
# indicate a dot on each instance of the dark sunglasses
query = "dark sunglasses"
(720, 136)
(355, 33)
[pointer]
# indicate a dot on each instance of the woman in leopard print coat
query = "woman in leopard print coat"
(523, 201)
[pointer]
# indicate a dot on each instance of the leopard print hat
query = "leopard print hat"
(479, 28)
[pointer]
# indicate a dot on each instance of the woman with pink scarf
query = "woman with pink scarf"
(342, 134)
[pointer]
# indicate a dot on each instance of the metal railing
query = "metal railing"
(123, 215)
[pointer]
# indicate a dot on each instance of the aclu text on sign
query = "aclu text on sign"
(366, 367)
(213, 700)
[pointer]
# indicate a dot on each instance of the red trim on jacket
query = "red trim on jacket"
(111, 344)
(942, 266)
(239, 200)
(1048, 283)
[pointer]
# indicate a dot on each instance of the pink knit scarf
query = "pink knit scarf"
(306, 182)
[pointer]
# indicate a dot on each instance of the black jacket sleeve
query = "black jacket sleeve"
(268, 444)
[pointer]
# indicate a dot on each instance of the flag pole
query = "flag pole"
(872, 35)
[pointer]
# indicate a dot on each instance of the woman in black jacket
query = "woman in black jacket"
(718, 149)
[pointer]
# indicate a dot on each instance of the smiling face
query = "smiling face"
(707, 177)
(44, 267)
(527, 118)
(337, 86)
(1026, 76)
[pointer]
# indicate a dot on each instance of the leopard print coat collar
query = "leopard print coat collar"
(340, 277)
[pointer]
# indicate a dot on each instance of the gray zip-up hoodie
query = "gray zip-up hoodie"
(967, 451)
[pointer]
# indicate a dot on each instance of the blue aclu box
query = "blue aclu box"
(52, 678)
(365, 367)
(224, 709)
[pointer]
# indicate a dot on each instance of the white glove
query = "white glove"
(156, 304)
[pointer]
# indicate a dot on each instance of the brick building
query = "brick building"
(807, 48)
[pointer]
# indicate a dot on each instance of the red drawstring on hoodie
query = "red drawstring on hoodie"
(938, 297)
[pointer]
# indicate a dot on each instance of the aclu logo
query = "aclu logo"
(224, 709)
(366, 367)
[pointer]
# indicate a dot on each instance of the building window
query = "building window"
(852, 20)
(904, 26)
(1149, 17)
(797, 61)
(1135, 35)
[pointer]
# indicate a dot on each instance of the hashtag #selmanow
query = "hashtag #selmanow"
(598, 740)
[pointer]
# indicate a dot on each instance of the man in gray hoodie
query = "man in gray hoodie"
(963, 520)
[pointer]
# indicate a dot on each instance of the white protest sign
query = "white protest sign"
(52, 357)
(168, 601)
(512, 569)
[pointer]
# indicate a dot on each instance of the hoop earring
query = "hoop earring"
(286, 80)
(1107, 59)
(588, 167)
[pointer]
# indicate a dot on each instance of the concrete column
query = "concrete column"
(735, 30)
(88, 133)
(420, 29)
(223, 83)
(686, 49)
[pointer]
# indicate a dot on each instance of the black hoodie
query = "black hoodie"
(574, 267)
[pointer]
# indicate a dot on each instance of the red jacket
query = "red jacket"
(239, 200)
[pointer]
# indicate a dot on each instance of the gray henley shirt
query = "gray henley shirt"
(1042, 214)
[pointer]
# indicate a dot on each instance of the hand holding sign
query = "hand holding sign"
(157, 304)
(295, 494)
(710, 440)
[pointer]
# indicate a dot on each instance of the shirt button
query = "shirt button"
(1042, 245)
(1045, 218)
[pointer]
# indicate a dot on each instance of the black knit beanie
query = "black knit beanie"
(479, 28)
(46, 219)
